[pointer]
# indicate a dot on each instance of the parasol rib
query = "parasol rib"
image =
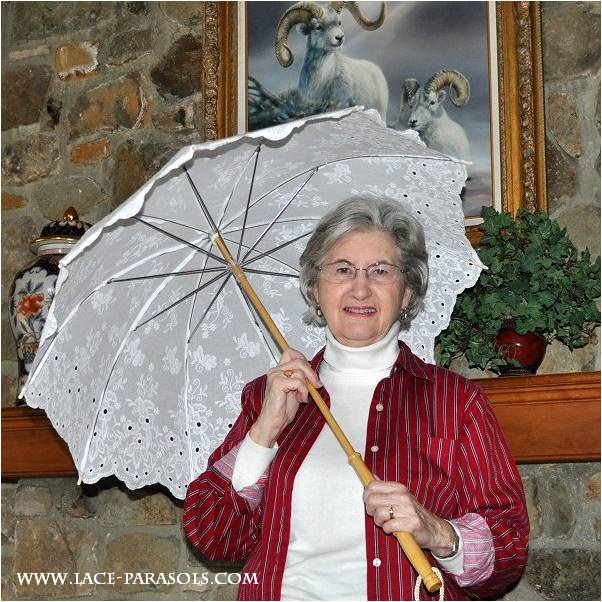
(90, 295)
(209, 305)
(238, 179)
(182, 240)
(333, 162)
(269, 273)
(411, 549)
(253, 315)
(269, 252)
(269, 192)
(131, 329)
(284, 244)
(284, 220)
(181, 300)
(186, 378)
(164, 274)
(199, 199)
(244, 222)
(257, 224)
(275, 218)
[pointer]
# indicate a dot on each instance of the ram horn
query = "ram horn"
(355, 10)
(302, 12)
(409, 88)
(456, 82)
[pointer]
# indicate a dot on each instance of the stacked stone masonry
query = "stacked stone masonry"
(96, 97)
(54, 525)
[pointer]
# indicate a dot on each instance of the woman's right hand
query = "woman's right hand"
(285, 389)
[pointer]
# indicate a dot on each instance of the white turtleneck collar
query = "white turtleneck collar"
(372, 358)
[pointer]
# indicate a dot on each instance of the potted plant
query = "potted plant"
(537, 284)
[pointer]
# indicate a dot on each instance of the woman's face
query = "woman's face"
(361, 312)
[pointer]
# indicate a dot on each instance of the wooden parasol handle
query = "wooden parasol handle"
(408, 544)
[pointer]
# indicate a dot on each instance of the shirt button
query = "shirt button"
(376, 562)
(374, 448)
(380, 407)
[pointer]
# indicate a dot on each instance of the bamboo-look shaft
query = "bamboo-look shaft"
(408, 544)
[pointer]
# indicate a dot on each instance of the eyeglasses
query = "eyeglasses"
(343, 271)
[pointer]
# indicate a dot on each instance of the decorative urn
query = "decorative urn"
(32, 290)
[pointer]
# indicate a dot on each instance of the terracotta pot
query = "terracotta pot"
(527, 349)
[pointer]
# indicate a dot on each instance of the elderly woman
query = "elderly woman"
(279, 492)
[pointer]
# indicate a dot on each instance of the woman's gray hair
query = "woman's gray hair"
(364, 214)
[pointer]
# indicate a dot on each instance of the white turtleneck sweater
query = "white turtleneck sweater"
(326, 557)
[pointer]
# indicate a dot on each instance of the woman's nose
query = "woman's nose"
(361, 284)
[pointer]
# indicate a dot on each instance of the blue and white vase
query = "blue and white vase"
(32, 290)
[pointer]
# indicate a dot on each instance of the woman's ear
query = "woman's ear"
(407, 297)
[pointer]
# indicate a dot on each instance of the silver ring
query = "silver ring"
(391, 511)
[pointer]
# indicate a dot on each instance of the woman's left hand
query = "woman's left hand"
(394, 508)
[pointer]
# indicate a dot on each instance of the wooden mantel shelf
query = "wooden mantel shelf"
(548, 418)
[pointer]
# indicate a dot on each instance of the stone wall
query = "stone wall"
(51, 525)
(571, 57)
(563, 501)
(96, 96)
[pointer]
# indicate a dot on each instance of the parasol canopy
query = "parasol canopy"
(150, 340)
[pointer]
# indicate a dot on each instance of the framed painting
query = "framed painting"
(505, 128)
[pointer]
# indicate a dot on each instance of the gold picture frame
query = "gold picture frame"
(520, 82)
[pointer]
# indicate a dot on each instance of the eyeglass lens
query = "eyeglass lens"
(342, 271)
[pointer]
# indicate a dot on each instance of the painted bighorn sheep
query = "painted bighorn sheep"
(422, 109)
(328, 77)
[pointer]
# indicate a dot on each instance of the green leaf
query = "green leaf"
(536, 277)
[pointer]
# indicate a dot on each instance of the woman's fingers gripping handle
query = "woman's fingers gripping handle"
(285, 389)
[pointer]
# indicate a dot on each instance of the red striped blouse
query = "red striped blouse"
(428, 428)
